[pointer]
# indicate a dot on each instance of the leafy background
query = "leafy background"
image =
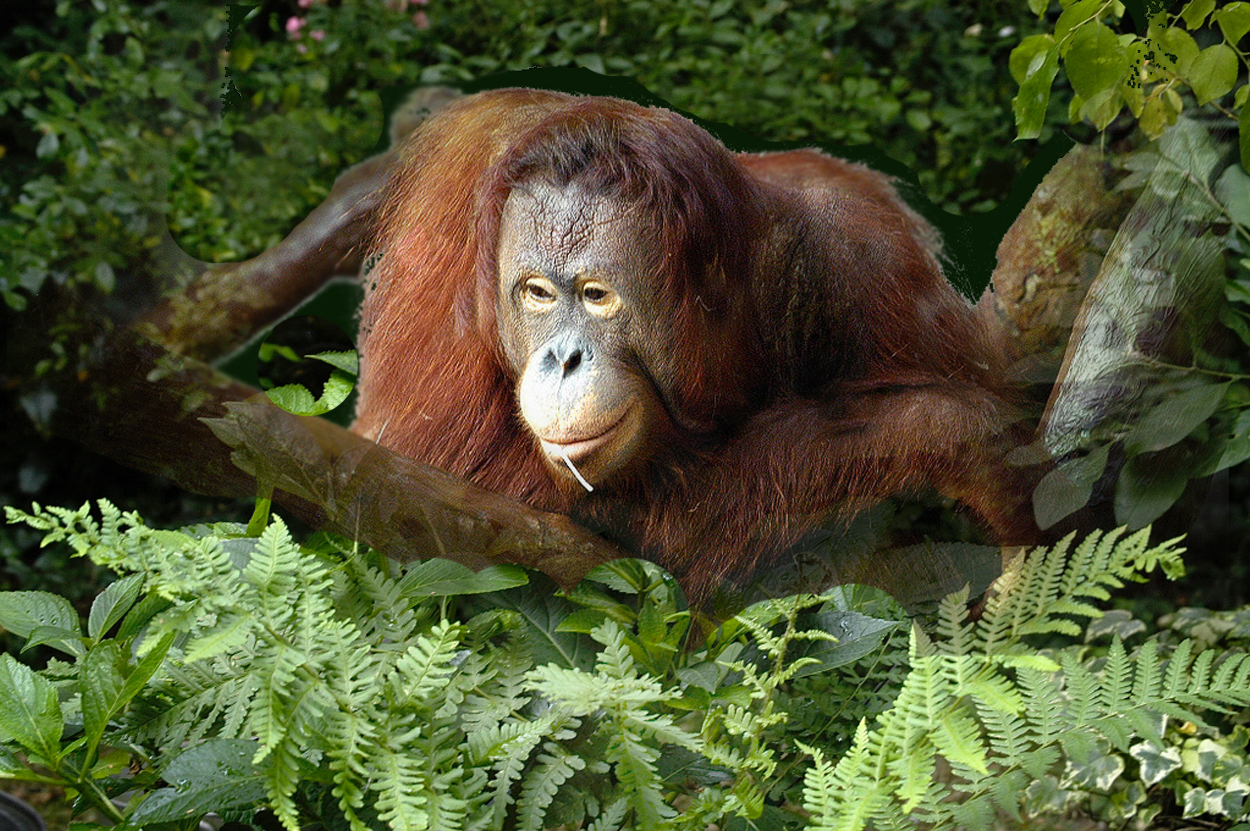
(228, 124)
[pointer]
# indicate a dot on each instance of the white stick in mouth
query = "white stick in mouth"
(577, 475)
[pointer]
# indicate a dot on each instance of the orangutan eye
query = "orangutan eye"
(600, 300)
(538, 293)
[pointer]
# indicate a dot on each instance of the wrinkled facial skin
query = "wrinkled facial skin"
(573, 283)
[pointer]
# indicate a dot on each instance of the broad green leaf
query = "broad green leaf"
(1095, 61)
(1176, 49)
(68, 641)
(215, 776)
(1022, 57)
(1073, 17)
(444, 578)
(1174, 418)
(1160, 112)
(294, 398)
(1146, 488)
(1213, 72)
(1030, 103)
(857, 635)
(100, 682)
(1196, 11)
(31, 714)
(112, 604)
(1234, 21)
(1102, 109)
(1068, 487)
(21, 612)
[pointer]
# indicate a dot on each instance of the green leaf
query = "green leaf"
(1022, 57)
(1243, 134)
(1213, 72)
(348, 361)
(1234, 21)
(1072, 18)
(294, 398)
(1195, 12)
(1068, 487)
(1156, 762)
(21, 612)
(100, 682)
(1159, 113)
(1174, 418)
(1095, 61)
(857, 635)
(445, 578)
(215, 776)
(68, 641)
(1030, 103)
(31, 714)
(112, 604)
(1176, 49)
(1146, 488)
(959, 739)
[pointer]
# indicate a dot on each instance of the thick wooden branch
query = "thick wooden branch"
(149, 402)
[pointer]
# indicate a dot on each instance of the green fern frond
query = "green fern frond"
(554, 768)
(398, 782)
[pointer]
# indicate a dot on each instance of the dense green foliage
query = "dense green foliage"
(240, 672)
(117, 101)
(233, 673)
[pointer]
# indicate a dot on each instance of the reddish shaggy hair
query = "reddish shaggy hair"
(817, 359)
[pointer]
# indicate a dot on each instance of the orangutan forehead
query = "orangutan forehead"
(570, 219)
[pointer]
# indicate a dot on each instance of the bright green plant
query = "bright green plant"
(1146, 72)
(236, 673)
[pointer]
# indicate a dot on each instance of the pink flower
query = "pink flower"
(422, 21)
(397, 5)
(301, 48)
(293, 26)
(304, 4)
(317, 34)
(420, 2)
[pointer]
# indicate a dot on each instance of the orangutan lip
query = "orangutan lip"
(579, 448)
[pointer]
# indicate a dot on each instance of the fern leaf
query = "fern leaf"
(400, 787)
(554, 768)
(958, 738)
(611, 817)
(1117, 678)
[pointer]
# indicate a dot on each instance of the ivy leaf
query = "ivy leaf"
(1234, 21)
(1156, 762)
(1095, 60)
(1030, 104)
(1196, 11)
(1213, 72)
